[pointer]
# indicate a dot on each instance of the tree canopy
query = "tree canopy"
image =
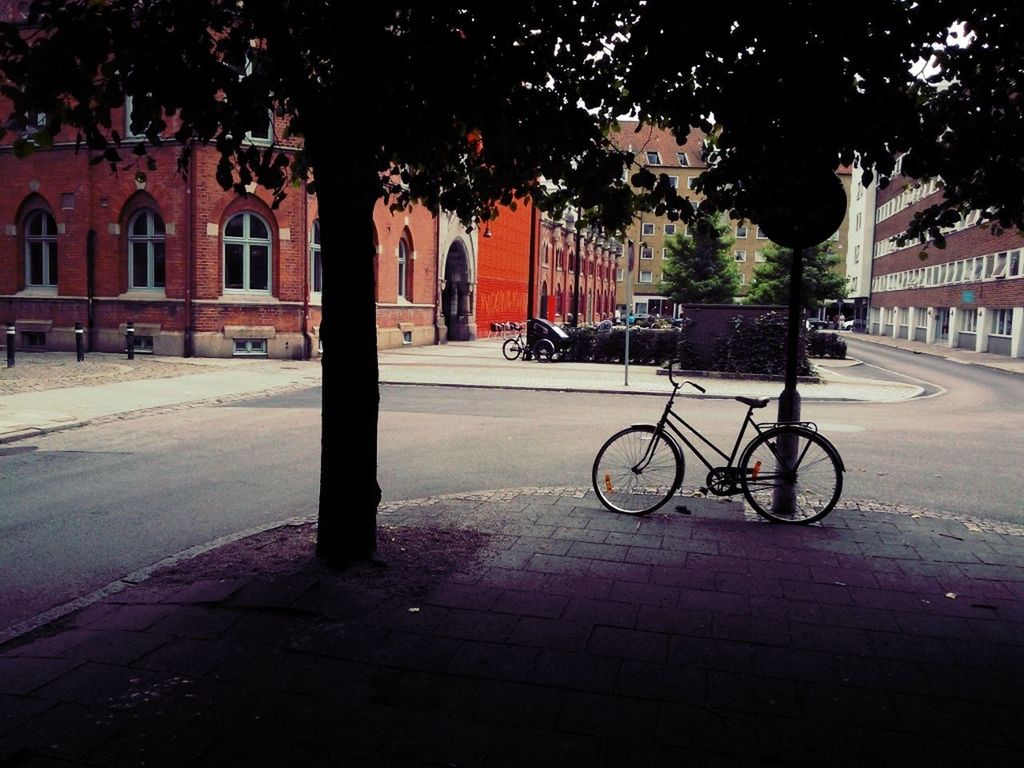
(701, 269)
(471, 106)
(821, 281)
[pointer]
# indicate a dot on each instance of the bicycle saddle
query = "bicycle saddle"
(754, 402)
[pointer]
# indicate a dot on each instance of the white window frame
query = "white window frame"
(646, 229)
(250, 348)
(649, 276)
(969, 320)
(653, 158)
(404, 256)
(739, 255)
(153, 240)
(758, 235)
(247, 242)
(758, 257)
(682, 159)
(46, 241)
(129, 106)
(256, 139)
(316, 264)
(143, 344)
(646, 252)
(742, 232)
(1002, 322)
(670, 229)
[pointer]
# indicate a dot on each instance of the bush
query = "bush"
(758, 346)
(647, 346)
(826, 345)
(755, 346)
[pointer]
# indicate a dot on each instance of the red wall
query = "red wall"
(503, 269)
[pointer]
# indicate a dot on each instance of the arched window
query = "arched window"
(316, 269)
(247, 254)
(403, 269)
(40, 249)
(146, 250)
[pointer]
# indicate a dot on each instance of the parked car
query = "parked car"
(846, 325)
(816, 324)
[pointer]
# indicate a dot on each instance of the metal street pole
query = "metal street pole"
(630, 258)
(784, 494)
(789, 400)
(576, 286)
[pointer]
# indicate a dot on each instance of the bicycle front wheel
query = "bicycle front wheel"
(791, 474)
(511, 349)
(637, 471)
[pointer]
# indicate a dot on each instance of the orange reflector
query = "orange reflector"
(757, 468)
(608, 481)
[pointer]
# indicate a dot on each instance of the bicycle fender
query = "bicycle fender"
(666, 435)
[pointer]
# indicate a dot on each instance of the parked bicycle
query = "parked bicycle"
(515, 348)
(788, 472)
(544, 341)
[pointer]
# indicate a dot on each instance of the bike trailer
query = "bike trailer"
(540, 330)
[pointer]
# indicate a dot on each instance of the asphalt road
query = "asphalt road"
(85, 507)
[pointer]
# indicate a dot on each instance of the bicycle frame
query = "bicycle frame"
(666, 423)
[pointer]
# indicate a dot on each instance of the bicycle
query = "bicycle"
(788, 472)
(515, 347)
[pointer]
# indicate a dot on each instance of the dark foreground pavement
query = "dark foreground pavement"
(533, 628)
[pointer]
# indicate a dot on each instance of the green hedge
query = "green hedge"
(753, 346)
(758, 346)
(821, 344)
(647, 346)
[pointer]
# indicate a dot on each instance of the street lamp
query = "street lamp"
(615, 251)
(571, 221)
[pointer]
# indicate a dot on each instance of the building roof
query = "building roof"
(638, 138)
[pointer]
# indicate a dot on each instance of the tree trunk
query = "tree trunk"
(349, 491)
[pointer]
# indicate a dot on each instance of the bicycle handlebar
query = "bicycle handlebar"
(678, 384)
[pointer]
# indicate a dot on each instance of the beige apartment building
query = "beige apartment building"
(658, 150)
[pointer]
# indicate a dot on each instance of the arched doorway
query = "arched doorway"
(457, 295)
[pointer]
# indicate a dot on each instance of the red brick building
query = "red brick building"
(529, 268)
(197, 270)
(576, 269)
(969, 294)
(506, 247)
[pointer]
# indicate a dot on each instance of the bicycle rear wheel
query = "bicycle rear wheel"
(791, 474)
(637, 471)
(511, 349)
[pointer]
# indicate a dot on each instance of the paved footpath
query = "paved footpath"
(531, 627)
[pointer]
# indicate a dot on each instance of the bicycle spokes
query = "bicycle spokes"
(636, 471)
(791, 474)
